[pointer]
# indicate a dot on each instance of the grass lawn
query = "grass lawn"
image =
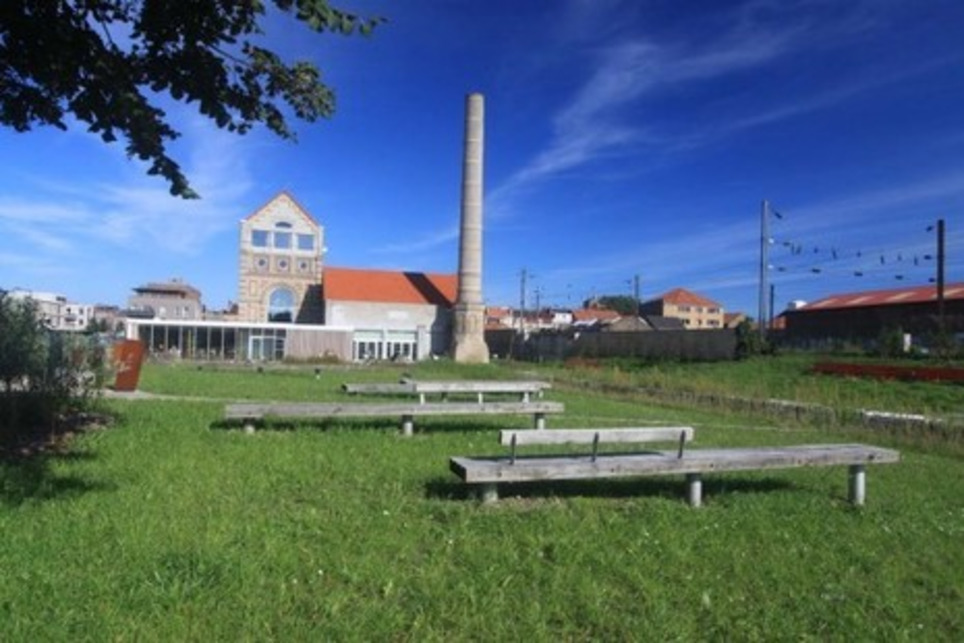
(164, 528)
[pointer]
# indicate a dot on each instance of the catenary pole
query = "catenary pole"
(762, 315)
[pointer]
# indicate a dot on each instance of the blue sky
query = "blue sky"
(623, 139)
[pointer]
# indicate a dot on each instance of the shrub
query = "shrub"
(43, 374)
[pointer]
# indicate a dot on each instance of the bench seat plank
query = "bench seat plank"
(501, 469)
(524, 437)
(338, 409)
(390, 388)
(486, 473)
(251, 411)
(478, 386)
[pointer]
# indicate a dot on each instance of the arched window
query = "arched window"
(281, 306)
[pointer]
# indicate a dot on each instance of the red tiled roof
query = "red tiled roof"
(889, 297)
(681, 296)
(351, 284)
(497, 311)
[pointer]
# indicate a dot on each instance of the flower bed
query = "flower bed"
(891, 372)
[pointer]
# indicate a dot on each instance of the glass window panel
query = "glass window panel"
(306, 242)
(259, 238)
(282, 239)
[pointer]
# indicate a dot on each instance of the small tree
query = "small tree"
(44, 374)
(21, 343)
(622, 304)
(748, 341)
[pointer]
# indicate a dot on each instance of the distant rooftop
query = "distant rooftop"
(173, 287)
(353, 284)
(681, 296)
(892, 296)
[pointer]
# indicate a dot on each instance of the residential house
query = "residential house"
(593, 318)
(696, 311)
(50, 306)
(172, 299)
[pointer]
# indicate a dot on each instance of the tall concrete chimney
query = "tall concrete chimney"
(468, 344)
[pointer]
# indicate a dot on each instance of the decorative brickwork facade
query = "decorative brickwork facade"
(281, 252)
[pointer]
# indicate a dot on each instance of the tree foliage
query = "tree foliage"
(21, 343)
(43, 374)
(106, 62)
(622, 304)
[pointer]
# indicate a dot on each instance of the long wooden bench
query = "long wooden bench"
(378, 388)
(250, 413)
(525, 389)
(486, 473)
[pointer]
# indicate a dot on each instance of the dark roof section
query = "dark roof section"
(658, 322)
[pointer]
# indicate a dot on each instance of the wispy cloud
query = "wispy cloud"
(726, 257)
(428, 242)
(879, 205)
(598, 121)
(138, 209)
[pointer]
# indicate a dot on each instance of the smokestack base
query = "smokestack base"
(469, 346)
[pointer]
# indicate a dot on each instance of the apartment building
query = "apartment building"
(696, 311)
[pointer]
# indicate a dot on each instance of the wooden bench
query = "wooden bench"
(378, 388)
(485, 474)
(478, 388)
(249, 413)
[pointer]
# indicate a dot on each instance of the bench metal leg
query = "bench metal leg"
(540, 420)
(408, 425)
(694, 489)
(488, 492)
(858, 484)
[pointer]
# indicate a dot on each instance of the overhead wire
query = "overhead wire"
(910, 261)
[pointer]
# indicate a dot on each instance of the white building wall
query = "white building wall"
(430, 326)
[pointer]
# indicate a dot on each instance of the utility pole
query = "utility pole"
(940, 278)
(772, 293)
(762, 315)
(522, 301)
(636, 294)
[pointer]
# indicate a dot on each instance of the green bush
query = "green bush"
(43, 374)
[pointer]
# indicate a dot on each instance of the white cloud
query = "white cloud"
(598, 121)
(139, 208)
(23, 210)
(432, 240)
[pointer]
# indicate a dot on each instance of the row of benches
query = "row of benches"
(485, 474)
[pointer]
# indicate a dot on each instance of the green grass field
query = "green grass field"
(164, 527)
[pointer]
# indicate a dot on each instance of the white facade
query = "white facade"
(76, 316)
(55, 311)
(387, 330)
